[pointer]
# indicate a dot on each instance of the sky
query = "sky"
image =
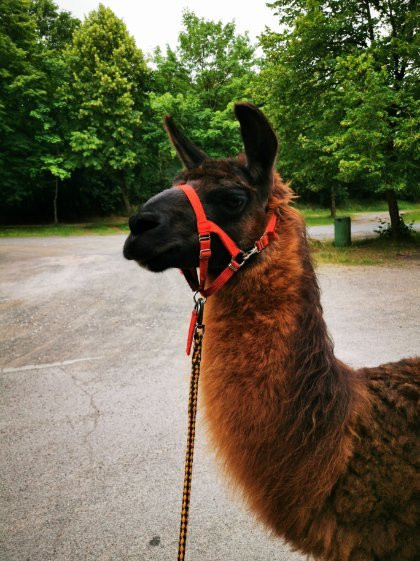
(158, 22)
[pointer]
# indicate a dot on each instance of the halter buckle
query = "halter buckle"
(205, 252)
(262, 242)
(235, 265)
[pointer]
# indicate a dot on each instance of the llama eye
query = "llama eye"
(235, 201)
(231, 200)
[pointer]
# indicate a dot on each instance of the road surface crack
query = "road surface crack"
(95, 411)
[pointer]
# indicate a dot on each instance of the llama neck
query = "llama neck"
(271, 316)
(276, 399)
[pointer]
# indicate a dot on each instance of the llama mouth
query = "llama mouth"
(152, 260)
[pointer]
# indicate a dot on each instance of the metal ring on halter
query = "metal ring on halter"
(250, 252)
(197, 299)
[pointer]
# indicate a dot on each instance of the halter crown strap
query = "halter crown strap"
(206, 227)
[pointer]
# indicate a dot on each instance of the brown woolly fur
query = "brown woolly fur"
(320, 451)
(325, 455)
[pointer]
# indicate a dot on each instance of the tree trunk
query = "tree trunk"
(55, 201)
(124, 194)
(394, 213)
(333, 205)
(370, 23)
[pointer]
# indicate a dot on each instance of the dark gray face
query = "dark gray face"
(234, 196)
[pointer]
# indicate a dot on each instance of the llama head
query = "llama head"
(233, 192)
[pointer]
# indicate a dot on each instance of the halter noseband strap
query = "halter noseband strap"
(206, 227)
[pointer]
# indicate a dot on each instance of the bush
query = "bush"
(405, 230)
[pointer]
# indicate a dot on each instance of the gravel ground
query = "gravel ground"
(93, 395)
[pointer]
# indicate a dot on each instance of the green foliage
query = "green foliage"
(197, 84)
(340, 85)
(81, 113)
(374, 144)
(20, 82)
(211, 61)
(32, 71)
(406, 229)
(106, 94)
(53, 29)
(215, 60)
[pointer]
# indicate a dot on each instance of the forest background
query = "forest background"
(81, 106)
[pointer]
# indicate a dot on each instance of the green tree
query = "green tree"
(107, 93)
(340, 84)
(377, 138)
(53, 28)
(32, 36)
(52, 135)
(216, 60)
(20, 83)
(54, 32)
(211, 68)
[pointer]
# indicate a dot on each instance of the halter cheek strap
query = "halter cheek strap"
(206, 227)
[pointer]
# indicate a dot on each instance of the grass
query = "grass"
(97, 228)
(316, 217)
(373, 251)
(411, 215)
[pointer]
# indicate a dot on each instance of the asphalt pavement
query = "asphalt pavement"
(93, 398)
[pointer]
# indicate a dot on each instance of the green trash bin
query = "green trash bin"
(342, 231)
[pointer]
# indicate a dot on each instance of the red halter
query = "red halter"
(204, 228)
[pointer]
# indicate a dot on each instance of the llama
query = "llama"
(324, 454)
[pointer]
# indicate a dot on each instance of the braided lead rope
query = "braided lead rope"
(189, 456)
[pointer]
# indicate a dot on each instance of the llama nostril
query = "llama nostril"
(139, 223)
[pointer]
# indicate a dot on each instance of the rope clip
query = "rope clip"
(199, 309)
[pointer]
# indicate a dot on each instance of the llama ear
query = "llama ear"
(260, 142)
(188, 153)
